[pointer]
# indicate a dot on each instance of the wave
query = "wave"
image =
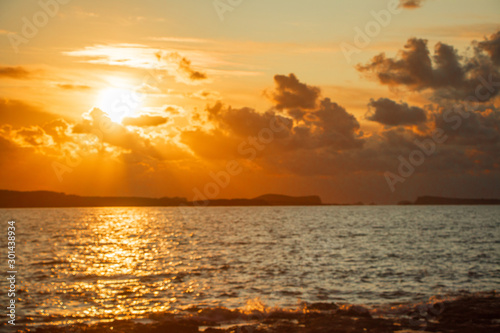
(461, 312)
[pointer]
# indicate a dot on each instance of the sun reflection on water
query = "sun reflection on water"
(120, 266)
(100, 264)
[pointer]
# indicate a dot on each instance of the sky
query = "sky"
(355, 101)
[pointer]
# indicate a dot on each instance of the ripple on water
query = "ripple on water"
(128, 262)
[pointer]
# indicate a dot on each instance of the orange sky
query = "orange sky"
(373, 101)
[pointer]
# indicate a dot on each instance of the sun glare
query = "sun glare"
(119, 103)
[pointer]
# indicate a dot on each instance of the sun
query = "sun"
(119, 103)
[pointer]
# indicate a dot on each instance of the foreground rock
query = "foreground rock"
(464, 315)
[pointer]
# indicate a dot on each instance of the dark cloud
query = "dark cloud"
(318, 123)
(326, 141)
(320, 144)
(492, 47)
(330, 125)
(469, 127)
(291, 93)
(413, 68)
(67, 86)
(447, 71)
(390, 113)
(448, 74)
(335, 125)
(310, 124)
(243, 122)
(214, 144)
(144, 121)
(14, 72)
(411, 4)
(232, 127)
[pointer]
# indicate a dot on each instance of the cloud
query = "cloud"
(326, 141)
(318, 122)
(214, 144)
(68, 86)
(318, 125)
(173, 110)
(59, 130)
(229, 128)
(204, 94)
(55, 132)
(390, 113)
(130, 55)
(132, 141)
(96, 122)
(94, 150)
(141, 56)
(183, 69)
(470, 128)
(152, 90)
(33, 136)
(330, 125)
(450, 76)
(291, 93)
(144, 121)
(410, 4)
(321, 146)
(19, 162)
(413, 68)
(492, 47)
(242, 122)
(18, 113)
(14, 72)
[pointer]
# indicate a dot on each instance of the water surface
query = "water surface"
(102, 263)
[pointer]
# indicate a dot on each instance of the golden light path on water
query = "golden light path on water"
(101, 264)
(122, 266)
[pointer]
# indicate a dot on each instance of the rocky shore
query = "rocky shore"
(466, 314)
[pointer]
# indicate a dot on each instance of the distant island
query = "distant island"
(430, 200)
(40, 199)
(34, 199)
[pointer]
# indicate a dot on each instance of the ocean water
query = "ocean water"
(93, 264)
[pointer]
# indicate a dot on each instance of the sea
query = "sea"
(87, 265)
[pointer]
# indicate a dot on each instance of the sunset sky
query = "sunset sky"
(158, 98)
